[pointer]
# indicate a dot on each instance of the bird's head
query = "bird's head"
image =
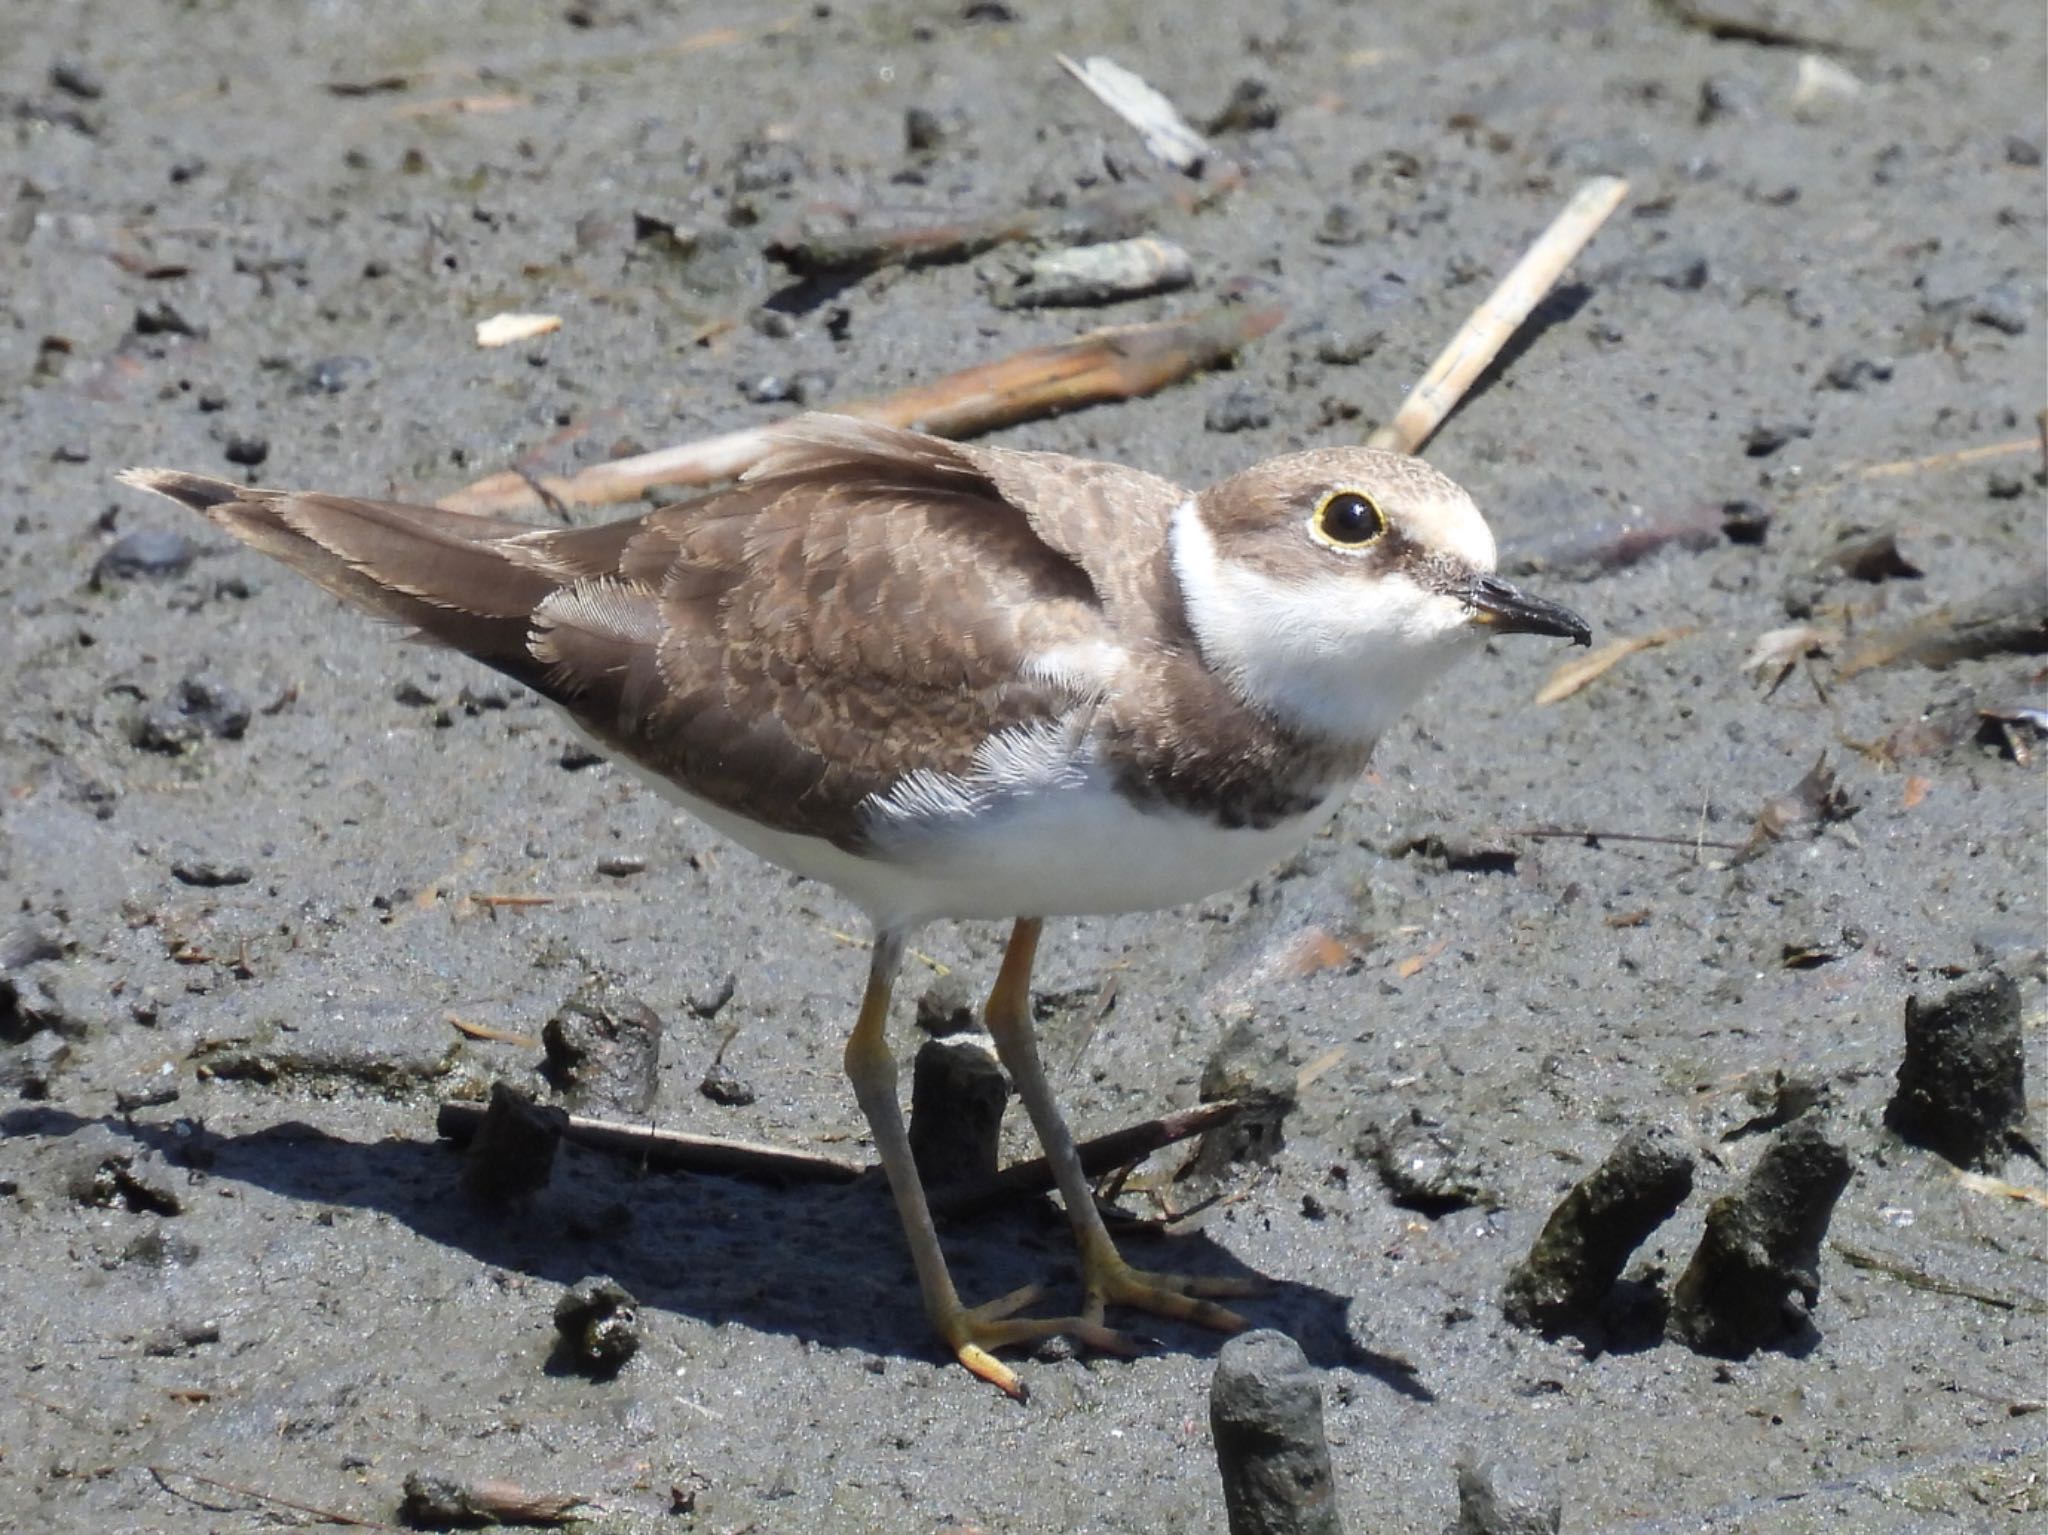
(1331, 587)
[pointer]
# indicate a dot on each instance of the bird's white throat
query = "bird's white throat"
(1342, 656)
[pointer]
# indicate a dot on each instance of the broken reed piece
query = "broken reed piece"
(1480, 339)
(673, 1151)
(1117, 362)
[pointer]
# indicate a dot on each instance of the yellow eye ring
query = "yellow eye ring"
(1347, 519)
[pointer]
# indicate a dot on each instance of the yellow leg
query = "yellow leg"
(1106, 1278)
(971, 1332)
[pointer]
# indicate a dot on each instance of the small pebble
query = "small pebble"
(723, 1086)
(210, 873)
(599, 1323)
(1241, 410)
(1504, 1500)
(331, 375)
(2020, 150)
(2002, 307)
(152, 553)
(74, 77)
(1341, 225)
(248, 451)
(621, 865)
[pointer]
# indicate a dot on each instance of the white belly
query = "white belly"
(1070, 847)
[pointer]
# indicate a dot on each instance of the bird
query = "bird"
(963, 682)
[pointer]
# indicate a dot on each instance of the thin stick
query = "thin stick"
(1482, 336)
(1119, 362)
(1587, 834)
(326, 1515)
(1103, 1154)
(672, 1150)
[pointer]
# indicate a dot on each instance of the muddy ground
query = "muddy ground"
(254, 239)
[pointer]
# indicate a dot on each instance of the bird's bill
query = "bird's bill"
(1505, 608)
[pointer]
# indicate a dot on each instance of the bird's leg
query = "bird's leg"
(1106, 1278)
(969, 1331)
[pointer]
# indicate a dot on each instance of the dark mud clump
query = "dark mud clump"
(1963, 1083)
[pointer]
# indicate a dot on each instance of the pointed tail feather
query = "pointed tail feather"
(461, 580)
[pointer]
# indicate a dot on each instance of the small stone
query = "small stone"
(1755, 1276)
(770, 389)
(1962, 1087)
(75, 77)
(2002, 307)
(160, 319)
(923, 132)
(599, 1323)
(1722, 96)
(210, 873)
(332, 375)
(604, 1050)
(707, 1002)
(726, 1088)
(1853, 372)
(1767, 437)
(1266, 1418)
(1252, 108)
(1493, 1500)
(410, 695)
(1423, 1167)
(2003, 485)
(1346, 348)
(621, 865)
(152, 553)
(1241, 410)
(247, 450)
(2020, 150)
(1341, 225)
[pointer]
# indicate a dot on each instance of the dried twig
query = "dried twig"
(325, 1515)
(672, 1149)
(1919, 1278)
(1571, 676)
(1103, 1154)
(1118, 362)
(1593, 838)
(1115, 215)
(1481, 337)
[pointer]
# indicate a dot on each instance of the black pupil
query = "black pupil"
(1350, 519)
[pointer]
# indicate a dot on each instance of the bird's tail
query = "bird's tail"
(473, 583)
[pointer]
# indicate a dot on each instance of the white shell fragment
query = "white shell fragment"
(504, 329)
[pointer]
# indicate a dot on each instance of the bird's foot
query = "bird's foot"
(1110, 1281)
(974, 1331)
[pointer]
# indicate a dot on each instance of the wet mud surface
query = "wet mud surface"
(257, 851)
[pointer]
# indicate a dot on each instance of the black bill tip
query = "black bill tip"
(1506, 609)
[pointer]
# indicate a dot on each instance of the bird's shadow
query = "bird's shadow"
(821, 1262)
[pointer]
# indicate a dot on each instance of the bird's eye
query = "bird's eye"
(1348, 519)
